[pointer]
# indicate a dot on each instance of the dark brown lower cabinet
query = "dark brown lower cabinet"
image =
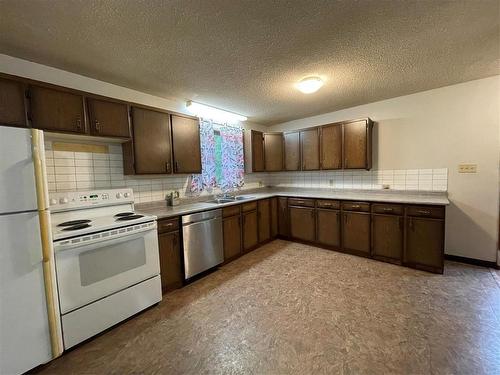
(387, 238)
(264, 216)
(283, 217)
(356, 232)
(328, 227)
(302, 223)
(232, 237)
(170, 261)
(274, 217)
(424, 247)
(250, 230)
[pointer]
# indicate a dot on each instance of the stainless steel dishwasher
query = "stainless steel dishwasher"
(202, 239)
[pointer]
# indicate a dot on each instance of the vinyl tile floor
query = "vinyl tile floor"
(288, 308)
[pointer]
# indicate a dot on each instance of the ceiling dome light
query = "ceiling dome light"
(309, 85)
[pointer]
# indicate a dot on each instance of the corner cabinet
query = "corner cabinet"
(186, 145)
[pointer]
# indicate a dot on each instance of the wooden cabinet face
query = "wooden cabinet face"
(331, 146)
(152, 147)
(302, 223)
(170, 261)
(232, 237)
(273, 151)
(56, 110)
(250, 230)
(424, 242)
(309, 149)
(292, 151)
(355, 145)
(356, 232)
(264, 216)
(258, 164)
(12, 106)
(186, 145)
(274, 217)
(283, 217)
(109, 119)
(387, 237)
(328, 224)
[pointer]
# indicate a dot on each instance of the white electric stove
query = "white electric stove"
(107, 260)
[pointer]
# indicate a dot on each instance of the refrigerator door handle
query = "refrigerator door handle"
(38, 151)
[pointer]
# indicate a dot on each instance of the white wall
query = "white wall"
(439, 129)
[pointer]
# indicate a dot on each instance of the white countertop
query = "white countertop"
(161, 210)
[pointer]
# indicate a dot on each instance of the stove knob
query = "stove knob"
(119, 195)
(63, 200)
(126, 195)
(53, 201)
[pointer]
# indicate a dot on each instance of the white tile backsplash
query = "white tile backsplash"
(68, 171)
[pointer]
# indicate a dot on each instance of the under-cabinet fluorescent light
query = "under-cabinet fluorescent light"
(202, 110)
(309, 85)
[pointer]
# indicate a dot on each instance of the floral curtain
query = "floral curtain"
(205, 180)
(232, 158)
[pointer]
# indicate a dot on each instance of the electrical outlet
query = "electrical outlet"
(386, 186)
(467, 168)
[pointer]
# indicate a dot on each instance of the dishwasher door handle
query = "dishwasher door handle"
(199, 221)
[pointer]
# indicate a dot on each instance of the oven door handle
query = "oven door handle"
(100, 242)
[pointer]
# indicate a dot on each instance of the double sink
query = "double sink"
(230, 199)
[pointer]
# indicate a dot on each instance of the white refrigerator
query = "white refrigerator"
(30, 332)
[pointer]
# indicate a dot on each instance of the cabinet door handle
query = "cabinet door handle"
(424, 212)
(167, 167)
(97, 126)
(387, 209)
(78, 123)
(356, 206)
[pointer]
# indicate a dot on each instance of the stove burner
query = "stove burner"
(73, 222)
(129, 217)
(122, 214)
(77, 226)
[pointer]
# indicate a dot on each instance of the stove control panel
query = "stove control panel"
(70, 200)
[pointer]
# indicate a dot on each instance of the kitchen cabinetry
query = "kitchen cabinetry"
(283, 217)
(170, 254)
(257, 139)
(250, 226)
(108, 118)
(274, 217)
(424, 247)
(273, 152)
(302, 219)
(309, 149)
(151, 144)
(56, 110)
(264, 219)
(231, 225)
(292, 151)
(387, 232)
(357, 144)
(328, 223)
(331, 146)
(186, 145)
(12, 105)
(356, 228)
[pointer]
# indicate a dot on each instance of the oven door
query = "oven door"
(86, 273)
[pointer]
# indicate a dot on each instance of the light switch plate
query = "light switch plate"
(467, 168)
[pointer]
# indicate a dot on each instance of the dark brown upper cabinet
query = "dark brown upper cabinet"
(331, 146)
(258, 164)
(152, 146)
(12, 104)
(309, 149)
(292, 151)
(186, 145)
(358, 144)
(108, 118)
(273, 152)
(56, 110)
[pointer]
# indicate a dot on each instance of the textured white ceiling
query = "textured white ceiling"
(245, 56)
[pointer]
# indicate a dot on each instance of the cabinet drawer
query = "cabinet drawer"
(356, 206)
(231, 211)
(425, 211)
(250, 206)
(389, 209)
(321, 203)
(301, 202)
(168, 225)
